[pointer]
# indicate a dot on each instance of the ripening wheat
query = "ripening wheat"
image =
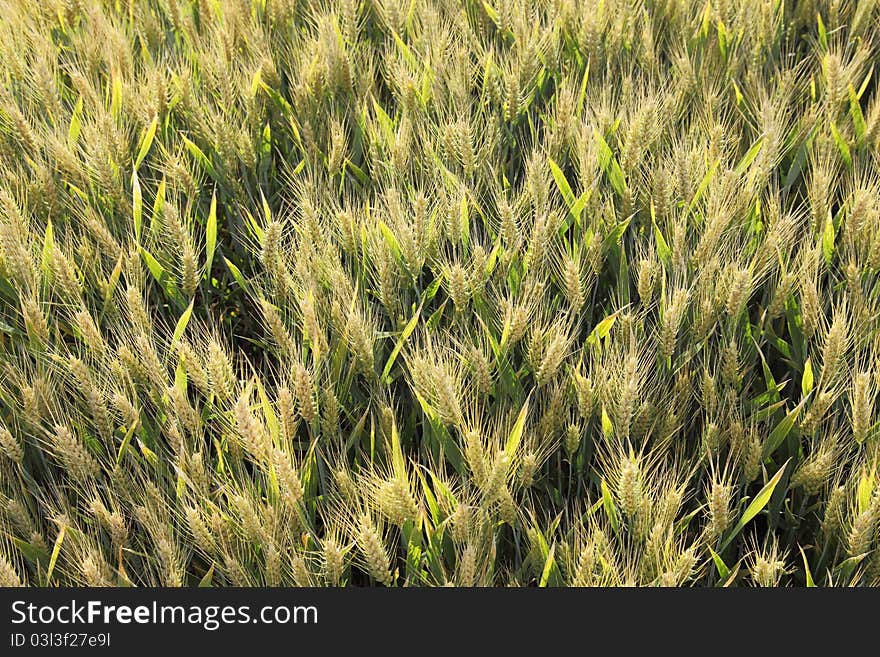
(439, 292)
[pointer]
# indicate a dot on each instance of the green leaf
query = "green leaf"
(405, 50)
(268, 412)
(548, 567)
(286, 109)
(180, 488)
(359, 173)
(413, 538)
(582, 93)
(146, 142)
(607, 426)
(465, 219)
(123, 446)
(48, 247)
(749, 157)
(137, 205)
(398, 460)
(56, 550)
(706, 21)
(844, 569)
(401, 340)
(490, 12)
(720, 566)
(181, 323)
(612, 239)
(756, 506)
(450, 449)
(730, 580)
(513, 440)
(828, 237)
(112, 282)
(722, 39)
(77, 192)
(254, 226)
(865, 491)
(386, 125)
(158, 207)
(115, 96)
(200, 156)
(206, 581)
(435, 317)
(823, 33)
(148, 454)
(32, 553)
(579, 205)
(797, 165)
(608, 504)
(155, 267)
(160, 274)
(855, 111)
(623, 278)
(431, 291)
(211, 235)
(704, 184)
(865, 83)
(663, 250)
(601, 330)
(616, 177)
(737, 93)
(842, 146)
(236, 273)
(810, 583)
(780, 431)
(609, 164)
(390, 239)
(807, 378)
(75, 124)
(267, 211)
(561, 183)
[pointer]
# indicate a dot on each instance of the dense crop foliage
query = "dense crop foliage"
(426, 292)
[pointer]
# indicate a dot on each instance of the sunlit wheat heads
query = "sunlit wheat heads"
(443, 292)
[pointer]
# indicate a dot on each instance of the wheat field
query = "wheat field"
(439, 293)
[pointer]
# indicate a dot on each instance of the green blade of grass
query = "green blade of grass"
(755, 506)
